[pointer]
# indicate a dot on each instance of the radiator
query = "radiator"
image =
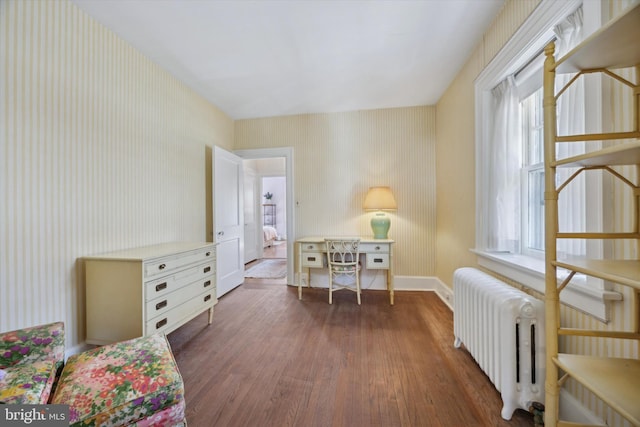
(503, 329)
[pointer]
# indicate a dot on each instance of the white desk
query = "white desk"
(378, 253)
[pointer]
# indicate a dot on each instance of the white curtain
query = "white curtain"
(504, 166)
(571, 120)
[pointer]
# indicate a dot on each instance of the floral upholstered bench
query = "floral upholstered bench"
(132, 382)
(129, 383)
(30, 360)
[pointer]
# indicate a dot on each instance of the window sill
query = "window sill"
(529, 272)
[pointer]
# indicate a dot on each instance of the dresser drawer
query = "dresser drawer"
(313, 259)
(171, 263)
(173, 318)
(374, 247)
(162, 286)
(164, 303)
(377, 261)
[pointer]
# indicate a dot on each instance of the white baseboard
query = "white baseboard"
(401, 283)
(421, 283)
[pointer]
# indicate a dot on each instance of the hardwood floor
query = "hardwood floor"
(277, 250)
(269, 359)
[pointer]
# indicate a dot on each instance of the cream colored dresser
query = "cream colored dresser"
(140, 291)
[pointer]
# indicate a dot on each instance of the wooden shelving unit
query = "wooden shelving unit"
(615, 381)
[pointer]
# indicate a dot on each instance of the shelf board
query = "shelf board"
(625, 272)
(613, 46)
(613, 380)
(621, 154)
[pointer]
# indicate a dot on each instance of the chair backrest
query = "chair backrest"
(342, 251)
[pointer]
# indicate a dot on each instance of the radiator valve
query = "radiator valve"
(537, 409)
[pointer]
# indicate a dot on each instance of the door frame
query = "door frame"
(287, 153)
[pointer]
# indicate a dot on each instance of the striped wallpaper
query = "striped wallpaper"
(100, 149)
(338, 156)
(456, 151)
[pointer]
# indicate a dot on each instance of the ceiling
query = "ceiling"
(261, 58)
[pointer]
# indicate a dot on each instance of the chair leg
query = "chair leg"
(330, 289)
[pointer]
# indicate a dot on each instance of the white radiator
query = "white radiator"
(503, 329)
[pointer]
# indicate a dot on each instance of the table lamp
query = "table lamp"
(380, 199)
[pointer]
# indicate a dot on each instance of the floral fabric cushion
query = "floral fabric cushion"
(27, 384)
(29, 345)
(122, 384)
(171, 416)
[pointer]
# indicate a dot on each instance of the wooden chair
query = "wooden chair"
(344, 266)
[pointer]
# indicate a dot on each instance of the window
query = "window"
(520, 256)
(532, 175)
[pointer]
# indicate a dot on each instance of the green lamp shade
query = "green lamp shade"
(380, 224)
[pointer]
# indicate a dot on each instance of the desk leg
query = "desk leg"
(299, 271)
(390, 284)
(211, 315)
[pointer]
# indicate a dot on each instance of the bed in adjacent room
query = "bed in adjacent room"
(270, 234)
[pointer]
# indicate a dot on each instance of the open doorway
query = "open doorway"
(269, 259)
(274, 215)
(268, 215)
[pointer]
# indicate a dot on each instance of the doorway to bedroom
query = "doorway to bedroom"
(266, 222)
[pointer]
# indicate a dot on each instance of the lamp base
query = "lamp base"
(380, 225)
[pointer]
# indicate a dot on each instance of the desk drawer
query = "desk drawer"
(313, 259)
(312, 247)
(374, 248)
(377, 261)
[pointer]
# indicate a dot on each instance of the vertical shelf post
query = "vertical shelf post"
(552, 300)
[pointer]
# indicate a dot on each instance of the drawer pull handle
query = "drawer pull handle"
(208, 254)
(310, 247)
(207, 298)
(161, 304)
(161, 286)
(311, 258)
(162, 266)
(161, 323)
(207, 269)
(377, 260)
(377, 248)
(207, 283)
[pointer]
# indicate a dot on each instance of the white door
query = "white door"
(228, 220)
(250, 224)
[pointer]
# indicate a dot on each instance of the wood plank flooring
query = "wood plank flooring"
(269, 359)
